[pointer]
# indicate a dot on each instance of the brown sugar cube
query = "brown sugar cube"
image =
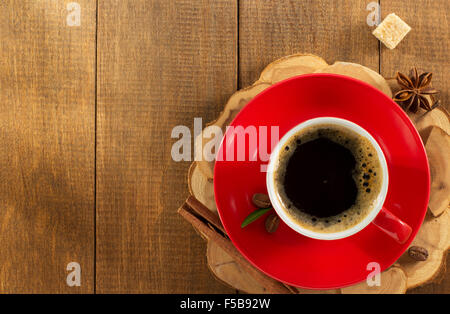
(391, 31)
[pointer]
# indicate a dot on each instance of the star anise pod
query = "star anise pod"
(414, 90)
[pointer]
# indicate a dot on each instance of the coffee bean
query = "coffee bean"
(418, 253)
(261, 200)
(272, 222)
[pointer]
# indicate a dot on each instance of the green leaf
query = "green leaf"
(254, 215)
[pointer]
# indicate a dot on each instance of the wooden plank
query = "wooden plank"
(427, 45)
(160, 64)
(47, 136)
(334, 30)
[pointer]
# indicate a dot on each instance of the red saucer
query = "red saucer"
(286, 255)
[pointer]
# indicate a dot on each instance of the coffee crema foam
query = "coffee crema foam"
(367, 175)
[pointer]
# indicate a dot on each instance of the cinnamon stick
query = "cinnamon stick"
(203, 226)
(205, 213)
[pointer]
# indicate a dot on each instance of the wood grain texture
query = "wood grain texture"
(427, 45)
(440, 285)
(160, 64)
(47, 136)
(334, 30)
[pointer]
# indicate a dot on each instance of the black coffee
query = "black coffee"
(328, 178)
(319, 178)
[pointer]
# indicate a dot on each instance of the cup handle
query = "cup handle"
(392, 226)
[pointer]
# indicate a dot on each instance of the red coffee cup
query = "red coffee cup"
(378, 215)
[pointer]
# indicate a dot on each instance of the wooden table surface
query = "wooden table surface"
(86, 114)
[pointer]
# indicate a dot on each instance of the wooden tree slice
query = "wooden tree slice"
(434, 234)
(309, 291)
(425, 120)
(225, 268)
(438, 151)
(236, 102)
(201, 187)
(359, 72)
(392, 281)
(291, 66)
